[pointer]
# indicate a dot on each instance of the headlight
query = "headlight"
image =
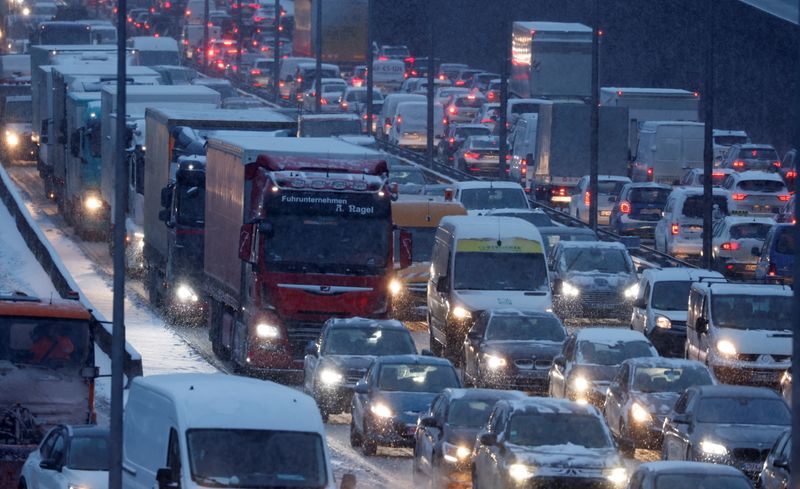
(640, 414)
(381, 410)
(494, 362)
(580, 384)
(663, 322)
(711, 448)
(461, 313)
(520, 472)
(264, 330)
(569, 290)
(330, 377)
(72, 485)
(184, 293)
(395, 286)
(726, 348)
(92, 203)
(12, 139)
(617, 476)
(455, 453)
(632, 291)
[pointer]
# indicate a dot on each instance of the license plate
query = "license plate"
(650, 211)
(605, 213)
(750, 268)
(412, 136)
(695, 229)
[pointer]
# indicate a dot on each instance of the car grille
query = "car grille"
(753, 357)
(299, 336)
(569, 483)
(353, 375)
(604, 298)
(750, 454)
(531, 364)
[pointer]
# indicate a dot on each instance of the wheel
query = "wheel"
(368, 447)
(355, 438)
(464, 377)
(623, 432)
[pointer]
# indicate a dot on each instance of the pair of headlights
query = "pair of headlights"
(569, 290)
(523, 472)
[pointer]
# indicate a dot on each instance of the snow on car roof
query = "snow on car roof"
(94, 68)
(358, 322)
(551, 405)
(757, 175)
(319, 147)
(487, 184)
(755, 146)
(681, 467)
(490, 227)
(662, 362)
(655, 91)
(151, 43)
(483, 394)
(417, 359)
(509, 311)
(609, 336)
(329, 117)
(555, 26)
(611, 178)
(510, 210)
(747, 219)
(691, 191)
(234, 402)
(227, 115)
(679, 274)
(613, 245)
(729, 390)
(728, 288)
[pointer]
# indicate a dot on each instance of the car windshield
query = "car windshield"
(751, 230)
(493, 198)
(743, 410)
(17, 111)
(395, 51)
(553, 429)
(471, 413)
(525, 108)
(761, 312)
(490, 144)
(401, 377)
(671, 295)
(551, 238)
(470, 101)
(361, 96)
(368, 341)
(593, 353)
(609, 187)
(89, 453)
(422, 243)
(699, 480)
(256, 458)
(405, 175)
(730, 140)
(693, 207)
(500, 271)
(525, 328)
(649, 195)
(605, 260)
(64, 34)
(535, 218)
(769, 186)
(669, 379)
(47, 342)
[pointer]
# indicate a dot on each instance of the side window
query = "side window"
(704, 307)
(496, 423)
(174, 455)
(668, 207)
(569, 348)
(786, 450)
(645, 291)
(680, 405)
(438, 263)
(440, 411)
(59, 449)
(622, 377)
(481, 322)
(47, 444)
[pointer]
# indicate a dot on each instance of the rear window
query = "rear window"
(609, 187)
(751, 230)
(761, 186)
(484, 144)
(649, 195)
(759, 154)
(785, 242)
(466, 132)
(471, 102)
(693, 207)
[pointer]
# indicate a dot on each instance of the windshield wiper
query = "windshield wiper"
(212, 481)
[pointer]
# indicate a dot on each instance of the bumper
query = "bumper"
(335, 399)
(607, 306)
(645, 229)
(536, 381)
(393, 432)
(686, 247)
(732, 267)
(751, 467)
(755, 376)
(669, 342)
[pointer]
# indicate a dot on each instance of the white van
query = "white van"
(286, 72)
(478, 196)
(388, 74)
(741, 331)
(410, 125)
(154, 51)
(666, 149)
(523, 147)
(679, 232)
(481, 263)
(212, 430)
(386, 117)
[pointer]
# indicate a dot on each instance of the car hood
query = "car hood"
(595, 280)
(406, 404)
(659, 403)
(522, 349)
(597, 374)
(461, 435)
(481, 300)
(672, 315)
(86, 478)
(755, 341)
(762, 436)
(566, 456)
(344, 362)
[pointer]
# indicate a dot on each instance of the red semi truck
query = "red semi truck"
(298, 230)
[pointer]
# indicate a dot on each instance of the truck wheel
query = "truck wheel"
(152, 288)
(215, 331)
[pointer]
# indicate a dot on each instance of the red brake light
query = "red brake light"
(323, 101)
(675, 229)
(791, 174)
(739, 196)
(460, 83)
(442, 76)
(255, 71)
(523, 167)
(486, 121)
(776, 164)
(587, 198)
(383, 58)
(399, 119)
(451, 140)
(471, 97)
(625, 207)
(452, 109)
(508, 157)
(445, 121)
(732, 246)
(784, 198)
(167, 4)
(344, 104)
(409, 59)
(738, 164)
(472, 155)
(490, 96)
(717, 174)
(773, 270)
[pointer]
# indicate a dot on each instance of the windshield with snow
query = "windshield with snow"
(555, 429)
(593, 353)
(500, 271)
(368, 341)
(525, 328)
(605, 260)
(751, 230)
(493, 198)
(743, 410)
(765, 312)
(49, 342)
(88, 453)
(256, 458)
(399, 377)
(471, 413)
(310, 128)
(671, 295)
(17, 111)
(669, 379)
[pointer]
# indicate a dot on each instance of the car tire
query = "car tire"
(355, 438)
(22, 484)
(464, 377)
(368, 447)
(623, 432)
(436, 347)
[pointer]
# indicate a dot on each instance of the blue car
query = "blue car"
(389, 399)
(776, 256)
(638, 208)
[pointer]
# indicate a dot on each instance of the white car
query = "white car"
(733, 239)
(756, 192)
(69, 456)
(409, 128)
(478, 196)
(354, 99)
(680, 230)
(332, 89)
(608, 187)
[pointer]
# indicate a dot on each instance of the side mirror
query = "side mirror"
(755, 251)
(701, 325)
(361, 387)
(406, 247)
(247, 235)
(90, 372)
(49, 464)
(348, 481)
(560, 361)
(474, 335)
(442, 285)
(426, 353)
(488, 439)
(640, 303)
(164, 479)
(428, 422)
(311, 348)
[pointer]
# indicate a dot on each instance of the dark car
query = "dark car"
(390, 397)
(775, 474)
(743, 157)
(638, 208)
(552, 235)
(591, 358)
(456, 134)
(674, 475)
(16, 126)
(446, 434)
(776, 256)
(341, 356)
(644, 392)
(726, 424)
(540, 442)
(593, 278)
(512, 349)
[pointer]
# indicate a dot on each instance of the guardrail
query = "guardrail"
(63, 282)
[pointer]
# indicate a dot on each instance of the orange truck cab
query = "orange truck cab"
(47, 372)
(416, 217)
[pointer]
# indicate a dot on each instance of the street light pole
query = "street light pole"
(431, 67)
(205, 37)
(708, 143)
(503, 120)
(594, 138)
(318, 39)
(276, 54)
(118, 301)
(794, 463)
(370, 61)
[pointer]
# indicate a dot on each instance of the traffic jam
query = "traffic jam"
(375, 265)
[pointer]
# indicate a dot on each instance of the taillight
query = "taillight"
(776, 164)
(323, 101)
(255, 71)
(738, 164)
(508, 157)
(784, 198)
(452, 109)
(383, 58)
(490, 96)
(625, 207)
(442, 76)
(344, 105)
(451, 140)
(650, 174)
(587, 198)
(460, 83)
(739, 196)
(281, 84)
(773, 270)
(675, 229)
(486, 121)
(445, 121)
(299, 79)
(791, 174)
(523, 169)
(472, 155)
(399, 119)
(732, 246)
